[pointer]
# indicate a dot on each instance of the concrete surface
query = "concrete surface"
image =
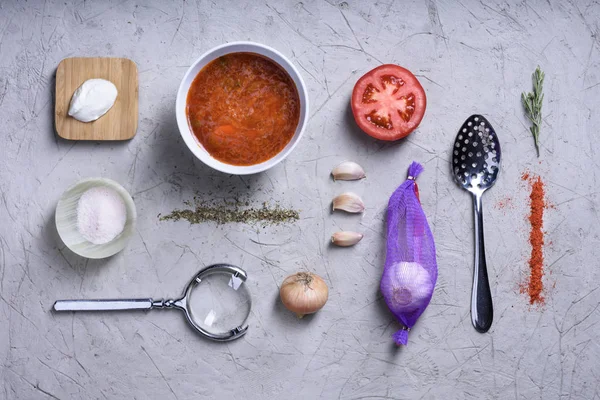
(470, 56)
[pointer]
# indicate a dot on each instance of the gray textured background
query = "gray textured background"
(470, 56)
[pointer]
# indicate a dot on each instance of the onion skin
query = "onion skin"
(304, 293)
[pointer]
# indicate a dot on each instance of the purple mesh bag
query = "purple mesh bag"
(410, 270)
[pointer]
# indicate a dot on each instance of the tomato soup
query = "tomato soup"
(243, 108)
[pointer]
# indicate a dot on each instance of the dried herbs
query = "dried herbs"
(533, 106)
(236, 211)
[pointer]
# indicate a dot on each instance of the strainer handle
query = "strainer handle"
(482, 311)
(116, 304)
(103, 305)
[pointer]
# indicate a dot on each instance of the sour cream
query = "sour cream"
(92, 100)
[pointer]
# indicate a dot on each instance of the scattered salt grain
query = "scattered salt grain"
(101, 215)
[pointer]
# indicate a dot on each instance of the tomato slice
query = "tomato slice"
(388, 102)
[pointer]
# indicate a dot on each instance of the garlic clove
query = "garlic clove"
(349, 202)
(346, 238)
(348, 171)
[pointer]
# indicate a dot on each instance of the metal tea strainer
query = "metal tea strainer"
(475, 165)
(216, 303)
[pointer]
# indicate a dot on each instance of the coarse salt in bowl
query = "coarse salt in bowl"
(67, 224)
(182, 121)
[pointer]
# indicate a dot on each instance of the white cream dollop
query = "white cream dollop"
(92, 100)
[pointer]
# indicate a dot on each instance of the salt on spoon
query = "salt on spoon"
(101, 215)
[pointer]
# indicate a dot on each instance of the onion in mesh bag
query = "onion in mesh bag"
(410, 270)
(409, 284)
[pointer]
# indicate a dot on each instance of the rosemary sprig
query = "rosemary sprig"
(533, 106)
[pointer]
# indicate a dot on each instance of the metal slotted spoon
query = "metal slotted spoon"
(475, 166)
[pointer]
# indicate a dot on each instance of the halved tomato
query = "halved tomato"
(388, 102)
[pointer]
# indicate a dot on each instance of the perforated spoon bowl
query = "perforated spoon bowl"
(475, 166)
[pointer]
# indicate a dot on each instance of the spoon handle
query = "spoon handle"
(103, 305)
(482, 312)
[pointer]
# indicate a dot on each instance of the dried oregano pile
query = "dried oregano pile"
(236, 211)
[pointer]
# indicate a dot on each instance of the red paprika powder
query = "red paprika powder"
(537, 204)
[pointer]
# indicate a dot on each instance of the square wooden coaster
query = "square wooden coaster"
(120, 122)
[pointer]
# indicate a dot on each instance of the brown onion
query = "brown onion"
(303, 293)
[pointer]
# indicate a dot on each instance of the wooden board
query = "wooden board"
(120, 122)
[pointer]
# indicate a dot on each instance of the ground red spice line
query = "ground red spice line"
(537, 203)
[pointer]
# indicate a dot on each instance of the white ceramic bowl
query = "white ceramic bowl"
(66, 220)
(180, 106)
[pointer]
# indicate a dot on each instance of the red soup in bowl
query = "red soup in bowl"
(243, 108)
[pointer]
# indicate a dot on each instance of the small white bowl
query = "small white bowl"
(66, 220)
(180, 106)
